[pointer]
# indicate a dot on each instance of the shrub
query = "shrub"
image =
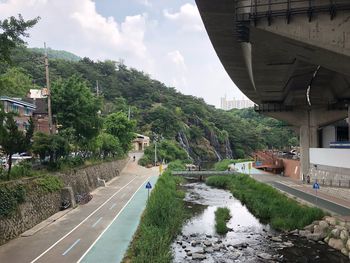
(11, 197)
(24, 169)
(176, 166)
(49, 183)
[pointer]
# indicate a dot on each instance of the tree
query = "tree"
(13, 140)
(15, 83)
(107, 144)
(76, 108)
(54, 146)
(118, 125)
(12, 29)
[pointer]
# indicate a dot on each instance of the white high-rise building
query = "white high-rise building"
(235, 103)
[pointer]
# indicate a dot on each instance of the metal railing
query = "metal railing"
(252, 10)
(248, 11)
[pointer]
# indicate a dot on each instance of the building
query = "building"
(24, 110)
(41, 115)
(235, 104)
(140, 142)
(37, 93)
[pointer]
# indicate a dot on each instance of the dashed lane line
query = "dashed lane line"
(121, 210)
(58, 241)
(69, 249)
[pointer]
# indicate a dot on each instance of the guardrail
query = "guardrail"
(202, 173)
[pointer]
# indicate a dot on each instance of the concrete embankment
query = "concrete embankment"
(37, 205)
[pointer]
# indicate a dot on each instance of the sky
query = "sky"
(164, 38)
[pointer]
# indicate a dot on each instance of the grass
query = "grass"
(160, 223)
(222, 216)
(223, 165)
(267, 203)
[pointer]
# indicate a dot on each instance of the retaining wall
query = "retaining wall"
(39, 205)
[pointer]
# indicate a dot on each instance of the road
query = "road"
(114, 211)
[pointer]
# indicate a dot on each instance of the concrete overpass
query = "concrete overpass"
(290, 57)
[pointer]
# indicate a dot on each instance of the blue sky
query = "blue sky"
(164, 38)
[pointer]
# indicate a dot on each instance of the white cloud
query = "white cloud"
(177, 58)
(188, 18)
(145, 3)
(76, 26)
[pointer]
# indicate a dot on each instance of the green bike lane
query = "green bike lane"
(113, 242)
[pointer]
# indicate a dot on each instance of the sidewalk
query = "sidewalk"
(336, 200)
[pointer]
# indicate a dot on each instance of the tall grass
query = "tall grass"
(161, 222)
(267, 203)
(222, 216)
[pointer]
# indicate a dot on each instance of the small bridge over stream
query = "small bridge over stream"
(202, 174)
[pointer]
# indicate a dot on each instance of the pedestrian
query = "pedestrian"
(308, 179)
(134, 158)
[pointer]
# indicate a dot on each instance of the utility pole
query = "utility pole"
(129, 113)
(97, 88)
(48, 90)
(155, 153)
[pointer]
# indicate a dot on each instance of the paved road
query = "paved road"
(70, 237)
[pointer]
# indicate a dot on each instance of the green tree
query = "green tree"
(15, 83)
(108, 144)
(54, 146)
(76, 108)
(118, 125)
(11, 32)
(12, 139)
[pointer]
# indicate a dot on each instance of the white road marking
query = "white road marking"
(112, 206)
(53, 245)
(143, 183)
(98, 220)
(76, 242)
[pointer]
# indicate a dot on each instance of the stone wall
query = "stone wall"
(39, 205)
(85, 179)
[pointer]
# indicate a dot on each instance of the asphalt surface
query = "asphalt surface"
(75, 234)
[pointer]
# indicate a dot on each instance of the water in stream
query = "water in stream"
(248, 241)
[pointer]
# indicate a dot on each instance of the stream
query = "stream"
(248, 240)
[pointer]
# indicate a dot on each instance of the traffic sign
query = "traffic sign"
(316, 186)
(148, 185)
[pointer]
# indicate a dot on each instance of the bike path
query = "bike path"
(113, 243)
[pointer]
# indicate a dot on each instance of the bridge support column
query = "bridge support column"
(308, 121)
(308, 139)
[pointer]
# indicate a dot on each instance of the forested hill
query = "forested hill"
(57, 54)
(204, 132)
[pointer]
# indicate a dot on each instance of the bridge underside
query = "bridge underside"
(290, 58)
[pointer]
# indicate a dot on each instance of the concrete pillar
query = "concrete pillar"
(349, 123)
(308, 139)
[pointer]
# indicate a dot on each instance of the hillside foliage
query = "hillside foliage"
(206, 133)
